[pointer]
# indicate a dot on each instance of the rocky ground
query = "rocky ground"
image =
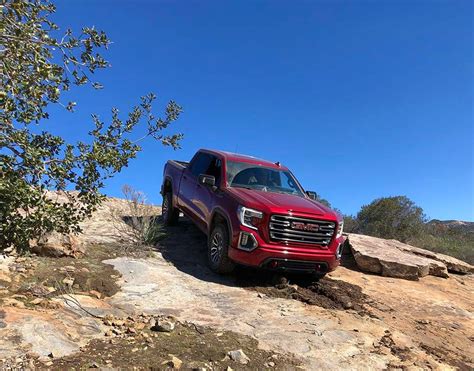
(121, 305)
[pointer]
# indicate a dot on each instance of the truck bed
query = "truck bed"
(179, 164)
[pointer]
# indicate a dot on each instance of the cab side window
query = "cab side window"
(215, 169)
(205, 163)
(200, 164)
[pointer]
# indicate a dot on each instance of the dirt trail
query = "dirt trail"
(387, 322)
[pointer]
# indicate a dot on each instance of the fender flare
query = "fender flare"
(221, 211)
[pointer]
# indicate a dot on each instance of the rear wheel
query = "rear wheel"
(218, 246)
(169, 213)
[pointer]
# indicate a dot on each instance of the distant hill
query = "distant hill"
(459, 225)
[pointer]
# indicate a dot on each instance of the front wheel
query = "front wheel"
(218, 245)
(169, 213)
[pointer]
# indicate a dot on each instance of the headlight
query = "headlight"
(340, 228)
(249, 217)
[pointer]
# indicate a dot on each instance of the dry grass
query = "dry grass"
(142, 223)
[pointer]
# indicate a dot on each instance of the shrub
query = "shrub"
(142, 218)
(391, 217)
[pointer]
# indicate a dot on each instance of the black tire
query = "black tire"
(217, 250)
(317, 276)
(169, 213)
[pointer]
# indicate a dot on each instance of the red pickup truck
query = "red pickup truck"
(254, 213)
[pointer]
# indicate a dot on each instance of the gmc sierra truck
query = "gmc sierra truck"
(254, 212)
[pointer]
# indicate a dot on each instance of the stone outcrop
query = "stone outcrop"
(392, 258)
(454, 265)
(57, 245)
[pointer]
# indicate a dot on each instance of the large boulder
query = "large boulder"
(57, 245)
(391, 258)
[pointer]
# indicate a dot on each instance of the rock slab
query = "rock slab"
(392, 258)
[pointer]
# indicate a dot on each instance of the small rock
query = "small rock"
(423, 321)
(68, 281)
(239, 356)
(116, 331)
(131, 330)
(135, 350)
(95, 293)
(140, 326)
(118, 323)
(347, 304)
(174, 362)
(10, 302)
(84, 270)
(163, 325)
(37, 301)
(20, 297)
(109, 333)
(200, 329)
(69, 268)
(269, 364)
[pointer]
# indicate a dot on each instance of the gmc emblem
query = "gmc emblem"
(305, 227)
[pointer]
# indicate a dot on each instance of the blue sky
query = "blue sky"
(361, 99)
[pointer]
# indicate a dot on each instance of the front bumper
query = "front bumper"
(288, 257)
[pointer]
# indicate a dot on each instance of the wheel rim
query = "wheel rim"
(165, 208)
(217, 245)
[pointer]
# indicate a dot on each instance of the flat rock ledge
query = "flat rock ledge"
(391, 258)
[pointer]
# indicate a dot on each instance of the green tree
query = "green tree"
(38, 64)
(391, 217)
(350, 224)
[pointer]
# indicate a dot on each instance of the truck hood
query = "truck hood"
(280, 203)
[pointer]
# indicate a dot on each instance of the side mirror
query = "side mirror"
(207, 180)
(311, 195)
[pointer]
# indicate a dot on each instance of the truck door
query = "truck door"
(190, 190)
(205, 195)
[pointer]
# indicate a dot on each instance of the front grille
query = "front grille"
(303, 230)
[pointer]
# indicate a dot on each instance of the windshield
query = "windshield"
(250, 176)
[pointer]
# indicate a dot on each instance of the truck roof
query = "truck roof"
(230, 156)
